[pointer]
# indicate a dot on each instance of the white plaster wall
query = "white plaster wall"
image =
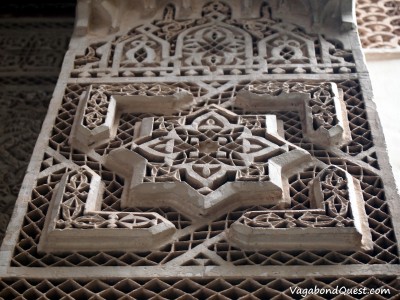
(384, 72)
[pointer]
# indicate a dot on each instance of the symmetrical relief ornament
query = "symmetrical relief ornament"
(205, 149)
(212, 158)
(204, 161)
(337, 211)
(75, 220)
(211, 154)
(205, 139)
(215, 47)
(214, 44)
(325, 122)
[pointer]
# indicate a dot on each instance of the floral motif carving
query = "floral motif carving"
(74, 212)
(212, 46)
(74, 198)
(323, 108)
(334, 188)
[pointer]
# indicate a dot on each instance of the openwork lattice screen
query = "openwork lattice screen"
(207, 150)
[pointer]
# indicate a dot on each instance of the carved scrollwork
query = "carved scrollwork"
(336, 205)
(96, 109)
(76, 206)
(171, 28)
(332, 186)
(74, 198)
(92, 55)
(323, 108)
(321, 105)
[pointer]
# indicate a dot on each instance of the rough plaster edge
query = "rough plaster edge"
(392, 195)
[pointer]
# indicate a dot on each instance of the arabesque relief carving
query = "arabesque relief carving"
(210, 159)
(200, 148)
(76, 204)
(215, 44)
(335, 196)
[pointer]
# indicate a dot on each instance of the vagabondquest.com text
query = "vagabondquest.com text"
(338, 290)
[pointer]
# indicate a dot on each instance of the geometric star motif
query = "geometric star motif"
(210, 158)
(211, 147)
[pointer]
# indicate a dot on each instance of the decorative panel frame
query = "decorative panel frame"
(206, 139)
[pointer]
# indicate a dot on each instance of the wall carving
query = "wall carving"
(76, 204)
(216, 144)
(335, 200)
(215, 158)
(378, 23)
(215, 44)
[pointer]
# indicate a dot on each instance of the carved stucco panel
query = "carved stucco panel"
(181, 160)
(211, 160)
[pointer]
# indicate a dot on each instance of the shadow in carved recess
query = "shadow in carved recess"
(174, 136)
(209, 161)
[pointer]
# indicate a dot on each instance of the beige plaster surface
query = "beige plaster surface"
(384, 73)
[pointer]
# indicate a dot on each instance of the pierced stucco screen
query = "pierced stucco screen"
(206, 150)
